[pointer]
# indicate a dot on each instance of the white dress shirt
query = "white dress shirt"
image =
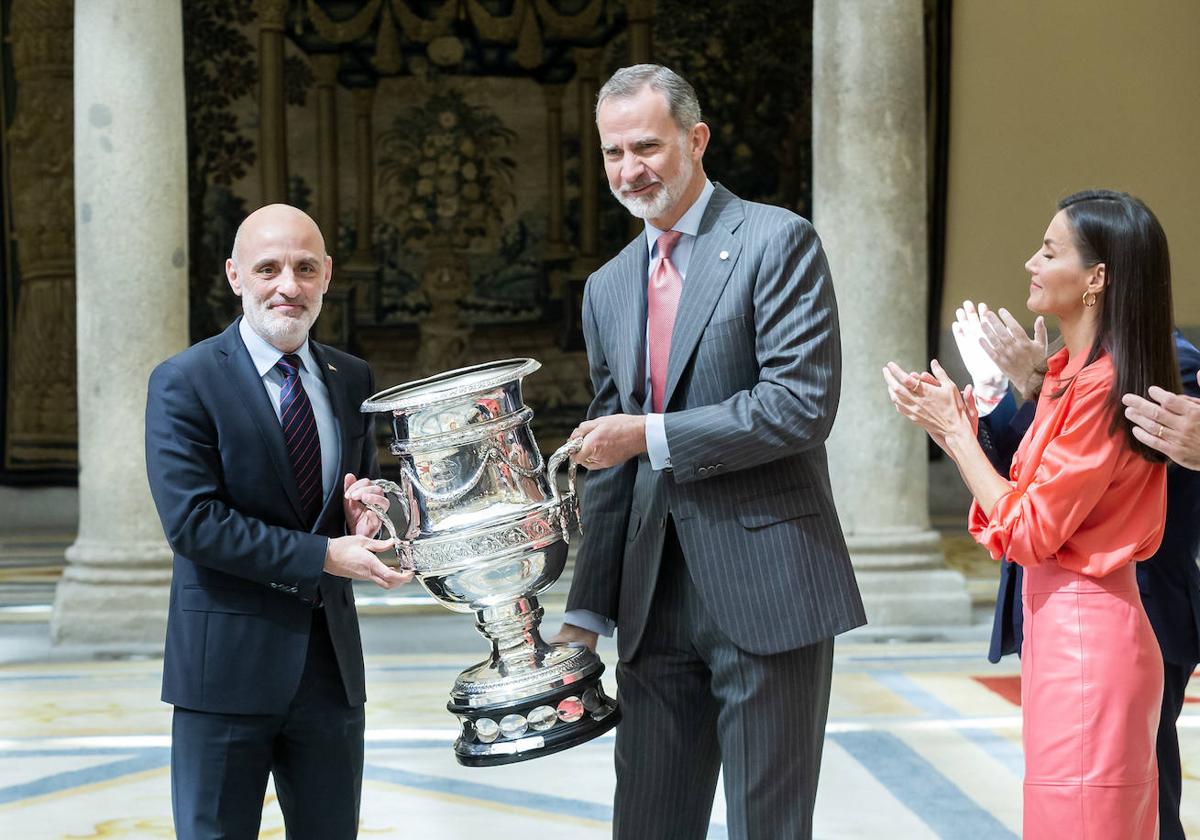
(265, 356)
(656, 434)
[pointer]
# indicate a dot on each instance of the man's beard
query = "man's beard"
(657, 205)
(276, 328)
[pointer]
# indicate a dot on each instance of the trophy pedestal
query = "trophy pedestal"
(530, 698)
(537, 724)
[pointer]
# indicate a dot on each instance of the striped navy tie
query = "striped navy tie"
(300, 435)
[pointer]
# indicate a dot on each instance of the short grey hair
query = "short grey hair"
(680, 95)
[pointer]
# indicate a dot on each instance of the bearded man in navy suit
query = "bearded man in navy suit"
(254, 448)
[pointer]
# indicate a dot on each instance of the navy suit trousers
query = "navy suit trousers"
(220, 762)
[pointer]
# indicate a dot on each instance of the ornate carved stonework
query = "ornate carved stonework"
(445, 340)
(41, 427)
(271, 13)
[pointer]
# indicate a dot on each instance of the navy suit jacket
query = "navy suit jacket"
(1169, 581)
(247, 570)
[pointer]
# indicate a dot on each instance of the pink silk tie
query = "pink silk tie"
(662, 301)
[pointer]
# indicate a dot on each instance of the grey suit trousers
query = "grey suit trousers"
(694, 702)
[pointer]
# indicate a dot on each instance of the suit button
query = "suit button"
(702, 471)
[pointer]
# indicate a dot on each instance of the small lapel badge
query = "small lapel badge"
(724, 255)
(331, 367)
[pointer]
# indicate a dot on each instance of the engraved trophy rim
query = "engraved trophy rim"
(450, 385)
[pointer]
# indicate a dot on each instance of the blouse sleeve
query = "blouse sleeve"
(1074, 471)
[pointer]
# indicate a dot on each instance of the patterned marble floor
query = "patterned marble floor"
(923, 741)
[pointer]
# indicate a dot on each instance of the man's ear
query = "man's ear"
(328, 273)
(231, 274)
(698, 140)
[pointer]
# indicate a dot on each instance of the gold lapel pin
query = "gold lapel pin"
(724, 255)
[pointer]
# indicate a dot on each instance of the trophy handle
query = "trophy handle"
(564, 453)
(403, 547)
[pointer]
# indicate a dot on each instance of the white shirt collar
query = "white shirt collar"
(266, 355)
(689, 222)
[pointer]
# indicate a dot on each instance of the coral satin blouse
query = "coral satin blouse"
(1081, 497)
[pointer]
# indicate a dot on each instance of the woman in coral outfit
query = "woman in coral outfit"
(1083, 502)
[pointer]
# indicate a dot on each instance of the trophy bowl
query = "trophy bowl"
(487, 532)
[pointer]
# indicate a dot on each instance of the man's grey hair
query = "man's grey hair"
(681, 97)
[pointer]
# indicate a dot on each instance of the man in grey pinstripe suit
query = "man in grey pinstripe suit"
(712, 541)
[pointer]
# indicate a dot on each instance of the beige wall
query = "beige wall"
(1052, 96)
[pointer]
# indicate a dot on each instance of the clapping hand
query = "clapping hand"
(990, 383)
(932, 401)
(1021, 358)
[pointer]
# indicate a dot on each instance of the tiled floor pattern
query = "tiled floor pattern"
(917, 747)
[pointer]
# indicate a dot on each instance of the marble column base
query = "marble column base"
(904, 580)
(113, 597)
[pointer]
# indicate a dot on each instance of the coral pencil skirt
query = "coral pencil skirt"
(1091, 690)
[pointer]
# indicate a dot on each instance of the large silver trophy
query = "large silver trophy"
(487, 533)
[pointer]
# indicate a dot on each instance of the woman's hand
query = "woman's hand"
(988, 381)
(1021, 358)
(932, 401)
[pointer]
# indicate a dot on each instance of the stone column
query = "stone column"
(131, 286)
(361, 272)
(869, 200)
(588, 61)
(555, 244)
(640, 14)
(325, 67)
(272, 112)
(41, 428)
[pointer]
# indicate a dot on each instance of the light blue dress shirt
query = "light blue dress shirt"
(656, 434)
(265, 356)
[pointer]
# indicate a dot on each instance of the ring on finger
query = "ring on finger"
(1158, 434)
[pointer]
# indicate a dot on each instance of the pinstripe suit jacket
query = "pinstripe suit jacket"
(751, 393)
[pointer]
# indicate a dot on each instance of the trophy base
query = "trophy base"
(534, 726)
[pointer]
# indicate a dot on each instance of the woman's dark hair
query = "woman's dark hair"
(1118, 230)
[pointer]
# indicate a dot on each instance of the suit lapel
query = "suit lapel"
(249, 386)
(633, 265)
(707, 275)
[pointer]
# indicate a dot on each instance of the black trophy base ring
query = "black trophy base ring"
(531, 727)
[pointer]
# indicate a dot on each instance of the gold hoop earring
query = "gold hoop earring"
(1089, 303)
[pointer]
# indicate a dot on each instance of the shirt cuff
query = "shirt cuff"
(988, 395)
(656, 442)
(588, 620)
